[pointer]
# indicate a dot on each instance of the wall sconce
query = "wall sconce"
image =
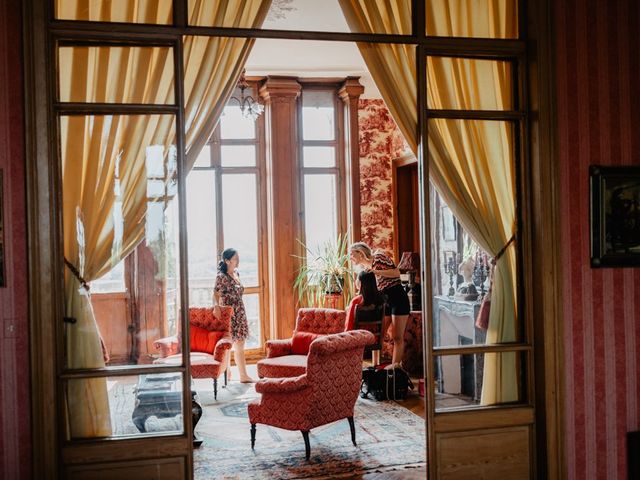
(249, 107)
(410, 264)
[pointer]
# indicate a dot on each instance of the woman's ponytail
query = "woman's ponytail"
(222, 266)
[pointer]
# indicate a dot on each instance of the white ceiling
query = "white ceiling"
(305, 58)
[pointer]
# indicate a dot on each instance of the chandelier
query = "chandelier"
(249, 108)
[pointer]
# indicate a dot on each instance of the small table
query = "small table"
(160, 395)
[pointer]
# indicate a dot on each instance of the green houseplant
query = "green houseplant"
(325, 271)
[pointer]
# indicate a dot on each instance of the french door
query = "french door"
(56, 122)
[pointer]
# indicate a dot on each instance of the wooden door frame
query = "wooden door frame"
(45, 279)
(398, 162)
(545, 225)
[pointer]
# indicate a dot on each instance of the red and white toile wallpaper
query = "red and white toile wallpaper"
(380, 142)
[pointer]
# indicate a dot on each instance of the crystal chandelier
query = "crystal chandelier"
(249, 108)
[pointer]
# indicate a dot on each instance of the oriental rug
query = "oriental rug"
(389, 437)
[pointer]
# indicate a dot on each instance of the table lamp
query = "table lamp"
(410, 264)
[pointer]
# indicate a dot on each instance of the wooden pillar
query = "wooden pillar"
(280, 95)
(350, 94)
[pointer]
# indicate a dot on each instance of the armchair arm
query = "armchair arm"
(167, 345)
(278, 348)
(220, 351)
(282, 385)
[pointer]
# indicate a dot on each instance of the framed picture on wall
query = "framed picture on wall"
(2, 267)
(615, 216)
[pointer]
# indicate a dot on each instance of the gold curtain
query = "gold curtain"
(105, 160)
(471, 162)
(393, 66)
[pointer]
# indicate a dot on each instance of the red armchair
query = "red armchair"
(280, 361)
(204, 364)
(327, 392)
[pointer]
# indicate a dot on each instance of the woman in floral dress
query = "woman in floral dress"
(228, 292)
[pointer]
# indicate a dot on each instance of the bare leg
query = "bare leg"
(228, 367)
(238, 355)
(398, 324)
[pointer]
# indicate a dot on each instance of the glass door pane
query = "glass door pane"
(127, 11)
(144, 404)
(477, 18)
(128, 164)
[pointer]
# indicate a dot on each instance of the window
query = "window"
(111, 282)
(320, 170)
(224, 200)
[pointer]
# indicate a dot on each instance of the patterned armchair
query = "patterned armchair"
(327, 392)
(280, 361)
(207, 364)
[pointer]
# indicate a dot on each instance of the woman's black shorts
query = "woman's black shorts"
(397, 300)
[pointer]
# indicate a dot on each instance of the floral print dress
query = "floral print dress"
(231, 291)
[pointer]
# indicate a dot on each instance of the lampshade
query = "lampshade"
(410, 262)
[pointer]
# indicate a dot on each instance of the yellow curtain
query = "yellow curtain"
(393, 67)
(471, 162)
(106, 161)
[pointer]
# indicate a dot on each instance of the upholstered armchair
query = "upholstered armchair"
(327, 392)
(210, 341)
(288, 358)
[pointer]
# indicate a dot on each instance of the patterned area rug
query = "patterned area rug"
(389, 437)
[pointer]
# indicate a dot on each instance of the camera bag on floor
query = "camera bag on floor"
(393, 384)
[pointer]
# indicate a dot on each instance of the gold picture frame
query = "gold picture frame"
(615, 216)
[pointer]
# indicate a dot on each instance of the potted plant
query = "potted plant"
(325, 271)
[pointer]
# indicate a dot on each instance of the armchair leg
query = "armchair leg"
(353, 430)
(253, 435)
(225, 378)
(215, 388)
(307, 447)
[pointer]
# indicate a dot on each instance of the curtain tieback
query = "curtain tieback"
(503, 249)
(76, 273)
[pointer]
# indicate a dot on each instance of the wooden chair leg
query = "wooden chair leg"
(215, 388)
(225, 378)
(307, 447)
(353, 430)
(253, 435)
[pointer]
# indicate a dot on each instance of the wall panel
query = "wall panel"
(380, 142)
(14, 352)
(598, 112)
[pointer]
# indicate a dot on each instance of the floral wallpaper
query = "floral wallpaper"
(380, 142)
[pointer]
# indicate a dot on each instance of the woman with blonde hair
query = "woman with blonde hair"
(388, 280)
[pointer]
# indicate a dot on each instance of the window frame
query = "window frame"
(215, 144)
(338, 143)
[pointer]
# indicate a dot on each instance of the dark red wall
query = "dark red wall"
(14, 354)
(598, 99)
